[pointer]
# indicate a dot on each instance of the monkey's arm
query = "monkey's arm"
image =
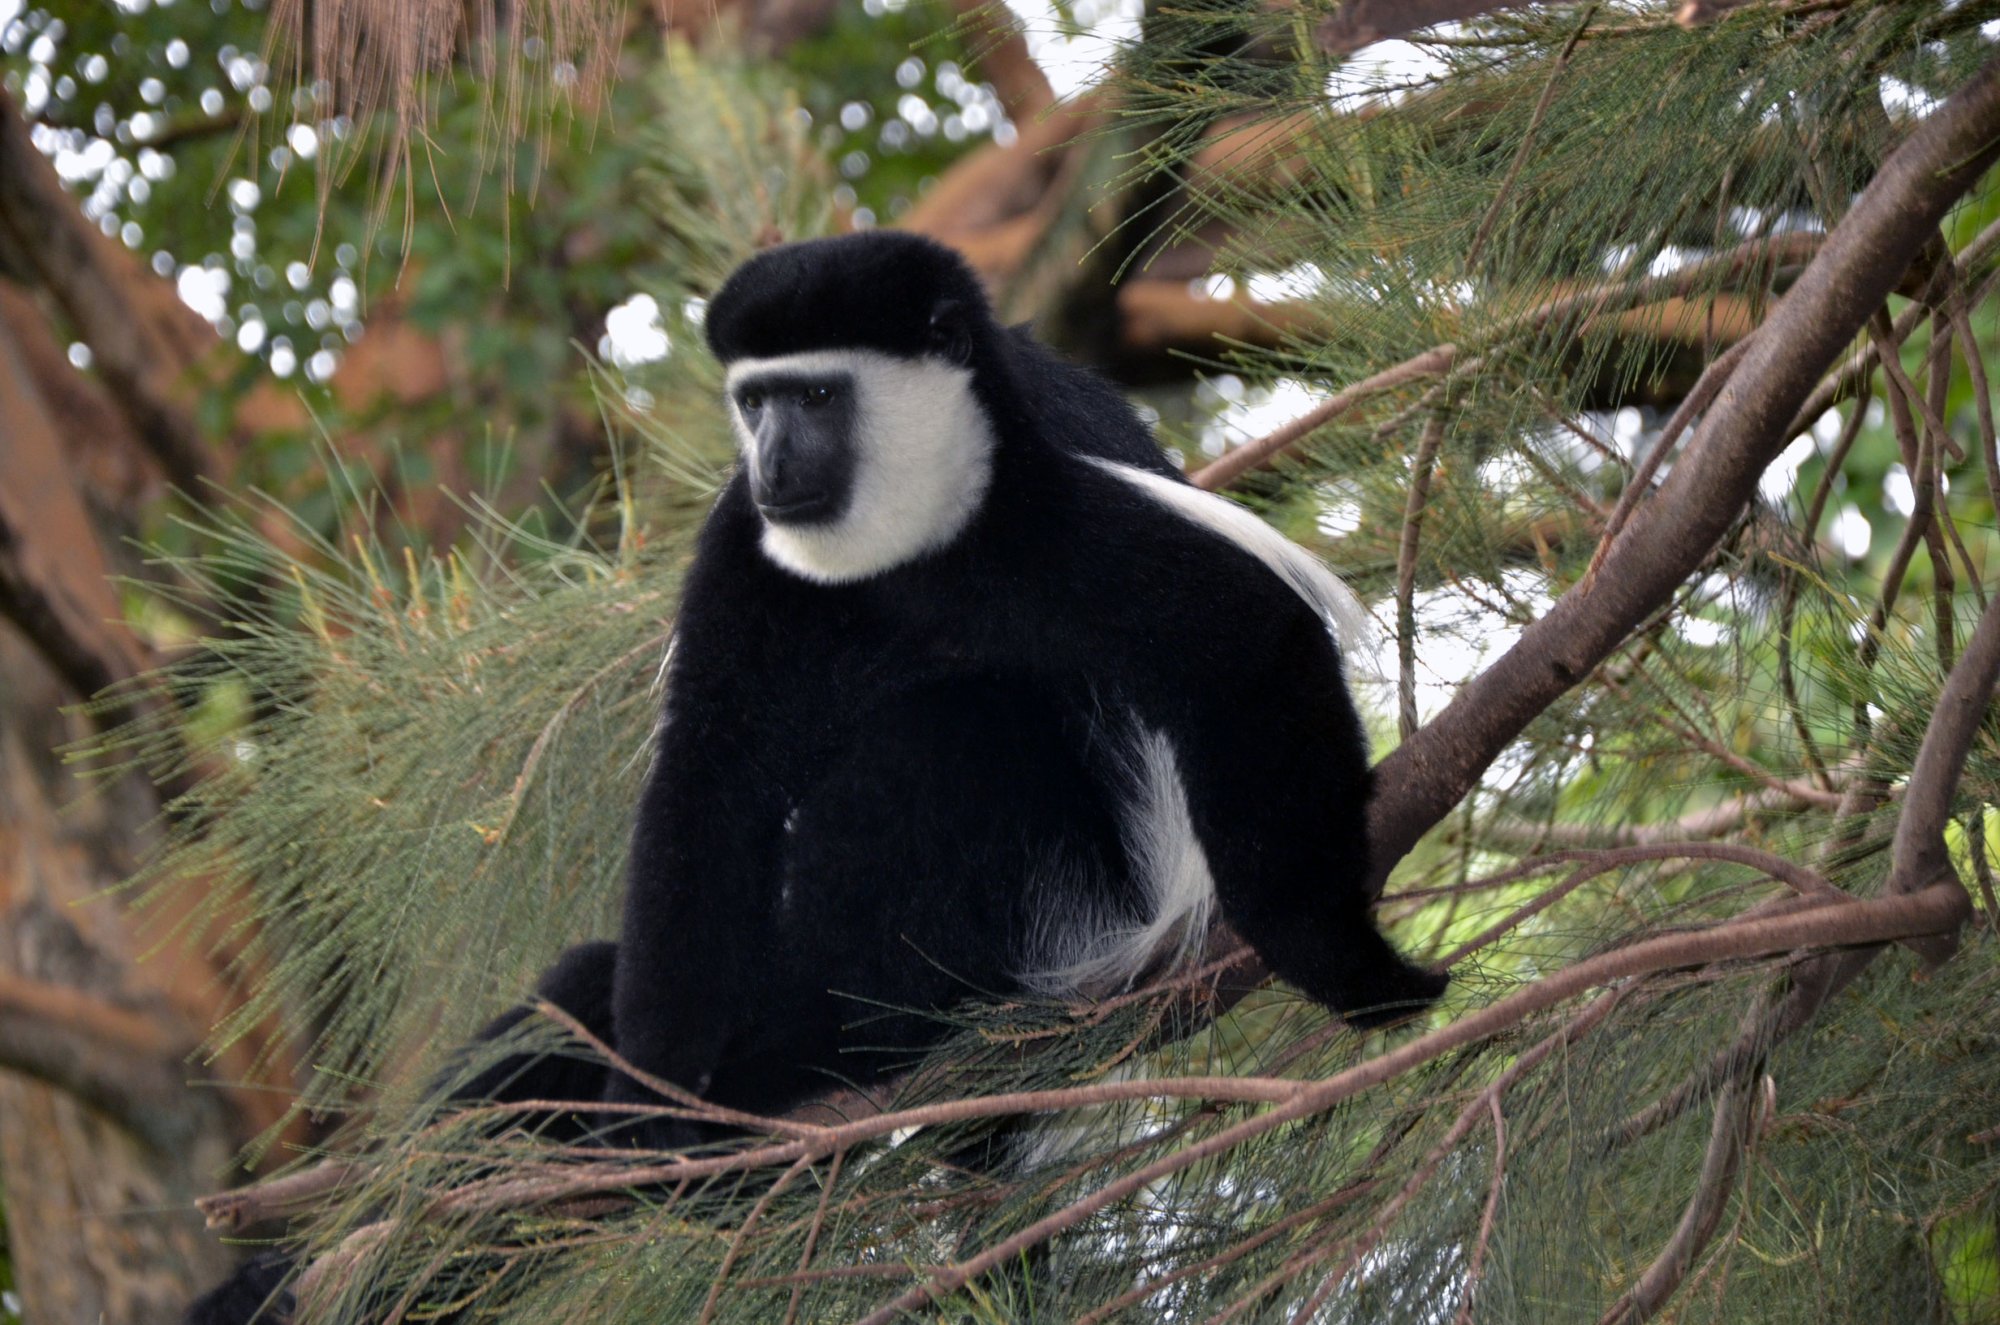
(1279, 794)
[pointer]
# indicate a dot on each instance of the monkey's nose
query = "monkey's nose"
(790, 486)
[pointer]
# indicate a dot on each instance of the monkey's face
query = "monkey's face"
(859, 460)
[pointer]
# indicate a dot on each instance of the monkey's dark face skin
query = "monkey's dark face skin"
(799, 444)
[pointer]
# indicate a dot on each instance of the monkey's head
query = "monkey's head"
(850, 365)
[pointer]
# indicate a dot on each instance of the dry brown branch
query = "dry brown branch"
(742, 1236)
(812, 1234)
(1358, 24)
(1227, 468)
(689, 1101)
(234, 1211)
(1715, 821)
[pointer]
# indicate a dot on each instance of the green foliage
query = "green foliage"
(887, 157)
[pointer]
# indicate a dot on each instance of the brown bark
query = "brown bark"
(103, 1141)
(103, 1144)
(144, 340)
(1361, 23)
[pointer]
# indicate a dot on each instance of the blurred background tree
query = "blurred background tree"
(369, 364)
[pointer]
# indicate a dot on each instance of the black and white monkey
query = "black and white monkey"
(970, 694)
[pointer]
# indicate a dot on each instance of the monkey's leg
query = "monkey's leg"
(580, 984)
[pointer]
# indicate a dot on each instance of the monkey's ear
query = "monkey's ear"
(949, 336)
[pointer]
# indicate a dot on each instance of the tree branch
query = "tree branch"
(123, 1063)
(1226, 469)
(1919, 857)
(54, 582)
(138, 355)
(1728, 1134)
(1361, 23)
(1857, 267)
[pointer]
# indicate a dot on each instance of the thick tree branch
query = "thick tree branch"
(54, 582)
(121, 1062)
(1919, 856)
(1857, 267)
(1362, 23)
(142, 346)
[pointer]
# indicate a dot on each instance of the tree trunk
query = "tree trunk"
(99, 1218)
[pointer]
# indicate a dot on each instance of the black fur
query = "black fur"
(884, 794)
(862, 790)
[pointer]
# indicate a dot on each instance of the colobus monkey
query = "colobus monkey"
(970, 693)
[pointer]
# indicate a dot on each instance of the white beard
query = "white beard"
(924, 461)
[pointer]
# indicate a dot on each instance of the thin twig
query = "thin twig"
(1803, 881)
(1277, 1227)
(1709, 385)
(743, 1232)
(1486, 1216)
(1520, 159)
(812, 1234)
(1726, 1138)
(1225, 469)
(1468, 1118)
(1406, 573)
(1788, 594)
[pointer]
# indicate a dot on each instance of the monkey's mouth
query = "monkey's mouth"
(800, 510)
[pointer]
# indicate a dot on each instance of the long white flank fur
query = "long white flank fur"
(1353, 629)
(1096, 956)
(925, 460)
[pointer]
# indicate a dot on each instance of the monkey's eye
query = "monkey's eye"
(750, 401)
(816, 395)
